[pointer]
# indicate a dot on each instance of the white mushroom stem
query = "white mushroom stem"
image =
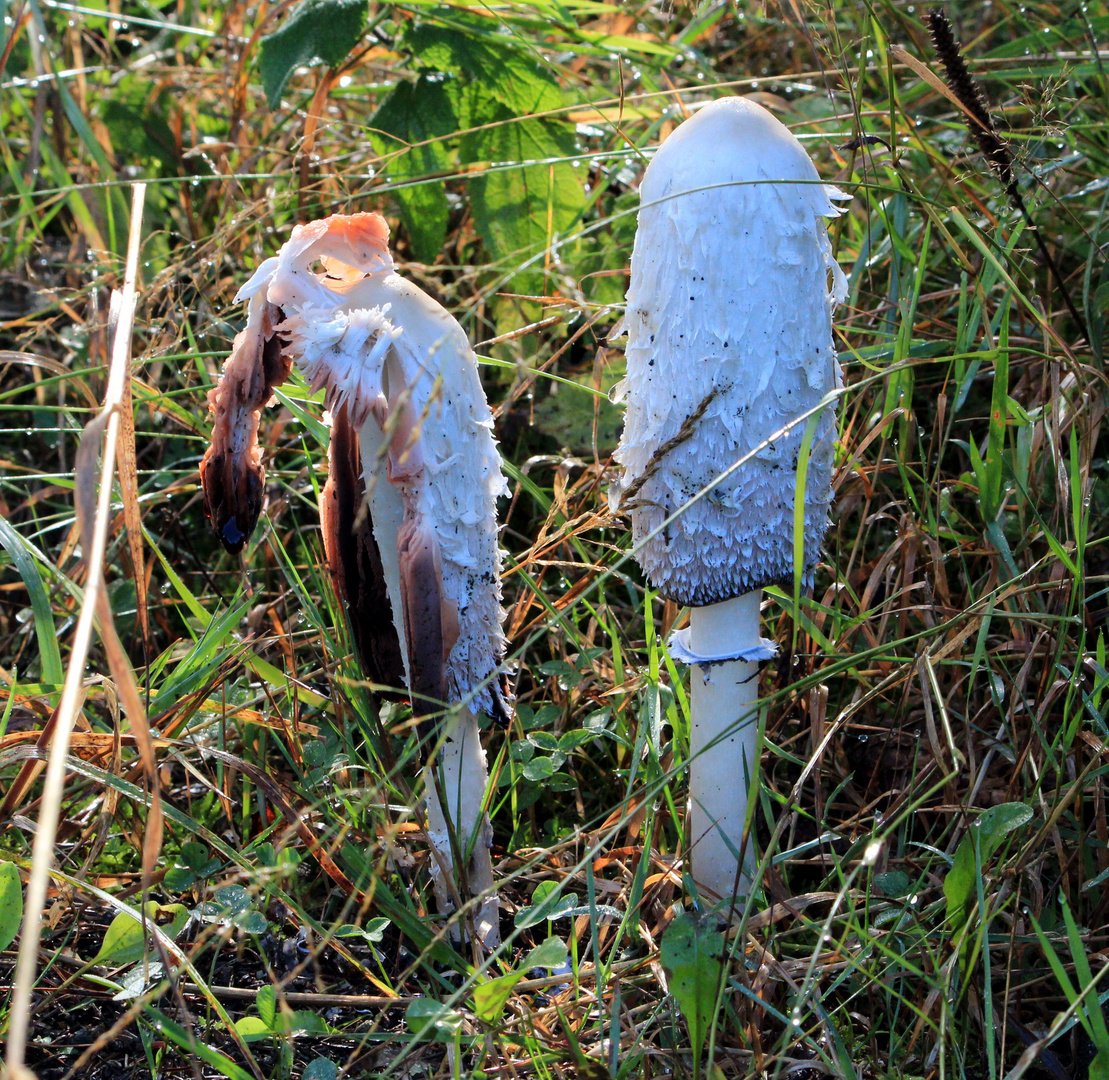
(723, 744)
(456, 803)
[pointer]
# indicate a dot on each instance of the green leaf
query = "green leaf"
(253, 1028)
(24, 558)
(568, 413)
(321, 1068)
(893, 883)
(135, 115)
(540, 768)
(994, 824)
(420, 116)
(252, 922)
(266, 1002)
(547, 902)
(491, 997)
(431, 1019)
(569, 741)
(315, 32)
(509, 72)
(995, 443)
(544, 740)
(372, 932)
(125, 940)
(988, 831)
(691, 954)
(552, 953)
(194, 855)
(232, 899)
(186, 1039)
(11, 903)
(518, 207)
(306, 1022)
(179, 879)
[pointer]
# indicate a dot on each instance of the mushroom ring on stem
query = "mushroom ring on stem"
(409, 509)
(729, 341)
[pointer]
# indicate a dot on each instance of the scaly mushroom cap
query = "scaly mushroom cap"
(729, 339)
(398, 371)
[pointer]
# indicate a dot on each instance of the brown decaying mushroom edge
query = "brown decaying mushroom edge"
(231, 471)
(354, 559)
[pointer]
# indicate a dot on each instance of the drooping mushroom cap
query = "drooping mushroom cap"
(414, 437)
(729, 339)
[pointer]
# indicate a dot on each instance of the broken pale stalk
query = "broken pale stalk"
(42, 853)
(729, 341)
(409, 509)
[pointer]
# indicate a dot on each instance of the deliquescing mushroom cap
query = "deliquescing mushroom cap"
(729, 339)
(403, 368)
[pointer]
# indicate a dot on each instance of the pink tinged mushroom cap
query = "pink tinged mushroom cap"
(729, 324)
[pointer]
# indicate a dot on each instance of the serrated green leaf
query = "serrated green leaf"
(510, 72)
(11, 903)
(691, 954)
(315, 32)
(421, 116)
(519, 207)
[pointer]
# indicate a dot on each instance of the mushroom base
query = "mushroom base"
(459, 829)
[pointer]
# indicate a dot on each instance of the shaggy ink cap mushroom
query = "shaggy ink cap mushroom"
(729, 340)
(409, 510)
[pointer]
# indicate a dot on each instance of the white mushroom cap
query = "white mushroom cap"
(729, 316)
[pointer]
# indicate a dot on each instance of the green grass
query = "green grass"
(931, 817)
